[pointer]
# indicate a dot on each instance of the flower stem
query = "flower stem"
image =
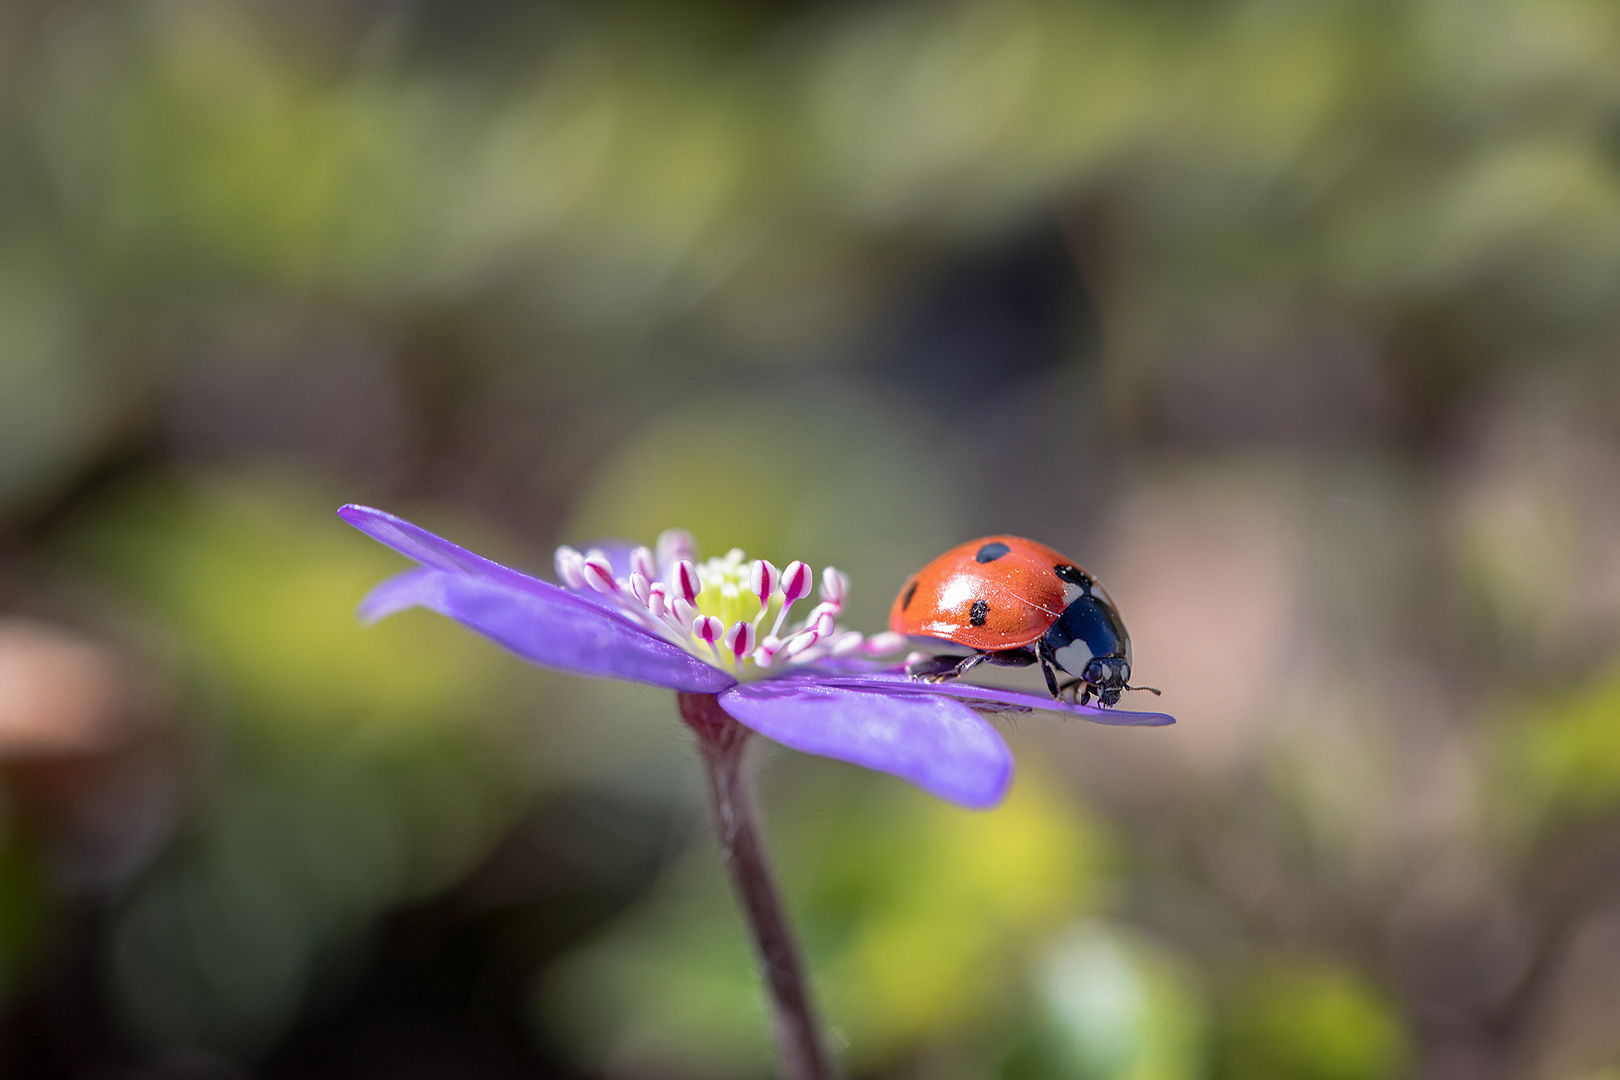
(798, 1045)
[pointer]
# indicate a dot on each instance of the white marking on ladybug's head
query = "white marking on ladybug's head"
(1071, 593)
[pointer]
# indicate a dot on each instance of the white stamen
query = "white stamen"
(884, 643)
(833, 587)
(767, 651)
(802, 642)
(640, 587)
(685, 614)
(686, 582)
(824, 624)
(570, 567)
(847, 642)
(740, 639)
(658, 600)
(598, 574)
(641, 562)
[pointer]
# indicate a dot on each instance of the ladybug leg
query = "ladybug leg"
(1043, 653)
(1051, 676)
(934, 668)
(945, 668)
(968, 664)
(1081, 691)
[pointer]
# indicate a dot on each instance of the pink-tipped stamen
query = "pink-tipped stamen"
(640, 587)
(763, 580)
(642, 562)
(801, 642)
(766, 653)
(598, 574)
(685, 614)
(796, 584)
(666, 613)
(570, 567)
(710, 630)
(796, 581)
(824, 624)
(685, 581)
(740, 639)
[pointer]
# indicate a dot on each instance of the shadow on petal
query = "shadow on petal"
(936, 742)
(1014, 700)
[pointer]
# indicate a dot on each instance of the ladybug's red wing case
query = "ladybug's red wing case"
(994, 593)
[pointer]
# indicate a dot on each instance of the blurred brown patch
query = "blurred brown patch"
(81, 754)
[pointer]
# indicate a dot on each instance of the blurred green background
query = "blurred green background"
(1295, 320)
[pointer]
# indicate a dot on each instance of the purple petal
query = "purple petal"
(896, 682)
(935, 742)
(415, 542)
(414, 588)
(554, 628)
(533, 618)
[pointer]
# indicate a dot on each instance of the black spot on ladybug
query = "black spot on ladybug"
(977, 613)
(911, 590)
(1073, 575)
(990, 553)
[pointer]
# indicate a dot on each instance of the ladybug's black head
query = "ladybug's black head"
(1089, 640)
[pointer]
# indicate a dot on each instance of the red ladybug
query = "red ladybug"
(1015, 602)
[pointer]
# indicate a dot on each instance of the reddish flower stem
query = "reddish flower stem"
(800, 1053)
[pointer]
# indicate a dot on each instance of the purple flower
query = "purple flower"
(725, 627)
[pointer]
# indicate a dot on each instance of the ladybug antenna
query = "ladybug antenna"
(1150, 689)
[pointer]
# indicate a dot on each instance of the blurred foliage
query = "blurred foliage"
(1311, 1020)
(1112, 1005)
(915, 916)
(249, 573)
(1561, 755)
(352, 770)
(773, 477)
(23, 911)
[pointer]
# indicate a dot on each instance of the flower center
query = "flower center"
(741, 614)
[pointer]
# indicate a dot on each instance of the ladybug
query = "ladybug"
(1015, 603)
